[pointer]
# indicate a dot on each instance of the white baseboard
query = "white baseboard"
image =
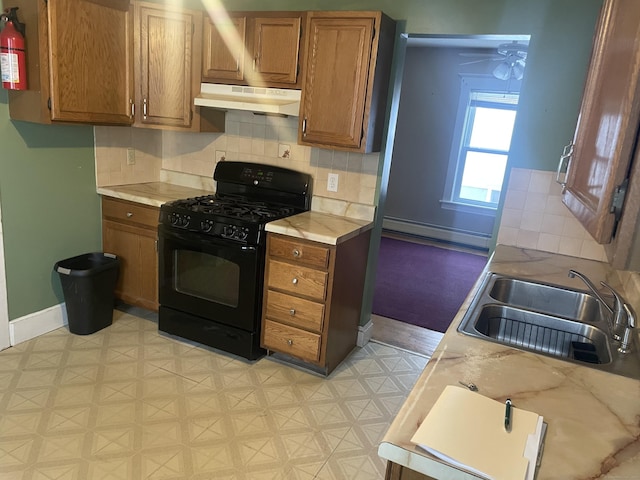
(364, 333)
(431, 231)
(37, 323)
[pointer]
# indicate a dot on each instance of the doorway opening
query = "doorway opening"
(457, 110)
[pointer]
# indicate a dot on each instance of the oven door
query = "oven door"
(215, 279)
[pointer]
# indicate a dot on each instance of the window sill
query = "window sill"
(466, 208)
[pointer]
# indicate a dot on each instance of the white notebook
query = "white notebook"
(466, 430)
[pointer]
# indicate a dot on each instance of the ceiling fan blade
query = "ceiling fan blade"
(480, 61)
(470, 54)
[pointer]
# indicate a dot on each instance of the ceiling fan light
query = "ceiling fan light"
(518, 70)
(502, 71)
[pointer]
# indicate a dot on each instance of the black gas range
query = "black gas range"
(212, 250)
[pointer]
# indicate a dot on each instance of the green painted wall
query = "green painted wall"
(50, 210)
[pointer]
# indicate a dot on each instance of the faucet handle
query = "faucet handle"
(625, 343)
(619, 311)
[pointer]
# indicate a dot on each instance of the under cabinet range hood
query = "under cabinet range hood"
(253, 99)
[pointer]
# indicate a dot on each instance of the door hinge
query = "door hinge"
(49, 103)
(618, 199)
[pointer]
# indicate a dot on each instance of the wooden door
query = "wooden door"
(607, 127)
(335, 85)
(276, 47)
(136, 249)
(90, 59)
(223, 53)
(165, 43)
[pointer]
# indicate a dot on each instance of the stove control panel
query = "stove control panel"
(235, 232)
(181, 220)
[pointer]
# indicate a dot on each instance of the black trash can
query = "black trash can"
(88, 282)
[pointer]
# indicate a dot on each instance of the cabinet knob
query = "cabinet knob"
(292, 312)
(290, 342)
(294, 281)
(296, 252)
(129, 214)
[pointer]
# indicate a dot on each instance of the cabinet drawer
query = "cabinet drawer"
(294, 311)
(292, 341)
(299, 252)
(297, 280)
(129, 212)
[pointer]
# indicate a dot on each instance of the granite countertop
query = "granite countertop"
(320, 227)
(593, 417)
(152, 193)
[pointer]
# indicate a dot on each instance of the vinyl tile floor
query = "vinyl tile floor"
(128, 403)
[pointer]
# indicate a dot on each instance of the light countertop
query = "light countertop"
(152, 193)
(319, 227)
(593, 417)
(312, 225)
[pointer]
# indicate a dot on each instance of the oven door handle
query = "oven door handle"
(248, 248)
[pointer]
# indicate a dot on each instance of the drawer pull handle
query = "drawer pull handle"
(290, 342)
(129, 214)
(296, 252)
(294, 281)
(292, 312)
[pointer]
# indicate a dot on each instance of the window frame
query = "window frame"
(470, 83)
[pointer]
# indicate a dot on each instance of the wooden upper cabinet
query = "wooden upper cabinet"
(224, 48)
(167, 53)
(254, 48)
(607, 127)
(346, 80)
(79, 55)
(276, 46)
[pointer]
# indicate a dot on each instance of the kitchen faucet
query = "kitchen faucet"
(621, 314)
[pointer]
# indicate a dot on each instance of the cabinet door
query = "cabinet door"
(335, 85)
(607, 126)
(164, 51)
(224, 49)
(136, 249)
(90, 59)
(276, 46)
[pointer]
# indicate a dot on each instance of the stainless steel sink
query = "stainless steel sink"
(549, 320)
(544, 298)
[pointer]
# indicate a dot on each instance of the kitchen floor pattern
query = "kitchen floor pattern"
(129, 403)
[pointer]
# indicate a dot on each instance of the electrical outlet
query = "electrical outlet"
(131, 156)
(332, 182)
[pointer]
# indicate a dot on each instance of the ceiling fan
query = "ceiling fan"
(512, 57)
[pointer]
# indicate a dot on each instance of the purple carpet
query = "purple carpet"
(423, 285)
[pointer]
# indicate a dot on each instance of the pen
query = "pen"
(507, 415)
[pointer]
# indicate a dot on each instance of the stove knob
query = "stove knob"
(206, 226)
(242, 234)
(228, 231)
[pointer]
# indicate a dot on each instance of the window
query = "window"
(480, 148)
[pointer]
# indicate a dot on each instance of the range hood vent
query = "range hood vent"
(253, 99)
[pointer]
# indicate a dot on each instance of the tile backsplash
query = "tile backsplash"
(271, 140)
(535, 217)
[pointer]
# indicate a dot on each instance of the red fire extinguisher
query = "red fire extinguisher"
(13, 60)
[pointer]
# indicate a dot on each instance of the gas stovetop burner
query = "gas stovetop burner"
(242, 209)
(247, 197)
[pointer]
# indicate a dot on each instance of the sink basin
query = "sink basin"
(544, 298)
(542, 333)
(548, 320)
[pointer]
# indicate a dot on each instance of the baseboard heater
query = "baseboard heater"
(445, 234)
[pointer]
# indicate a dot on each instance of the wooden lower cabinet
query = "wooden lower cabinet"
(313, 298)
(130, 231)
